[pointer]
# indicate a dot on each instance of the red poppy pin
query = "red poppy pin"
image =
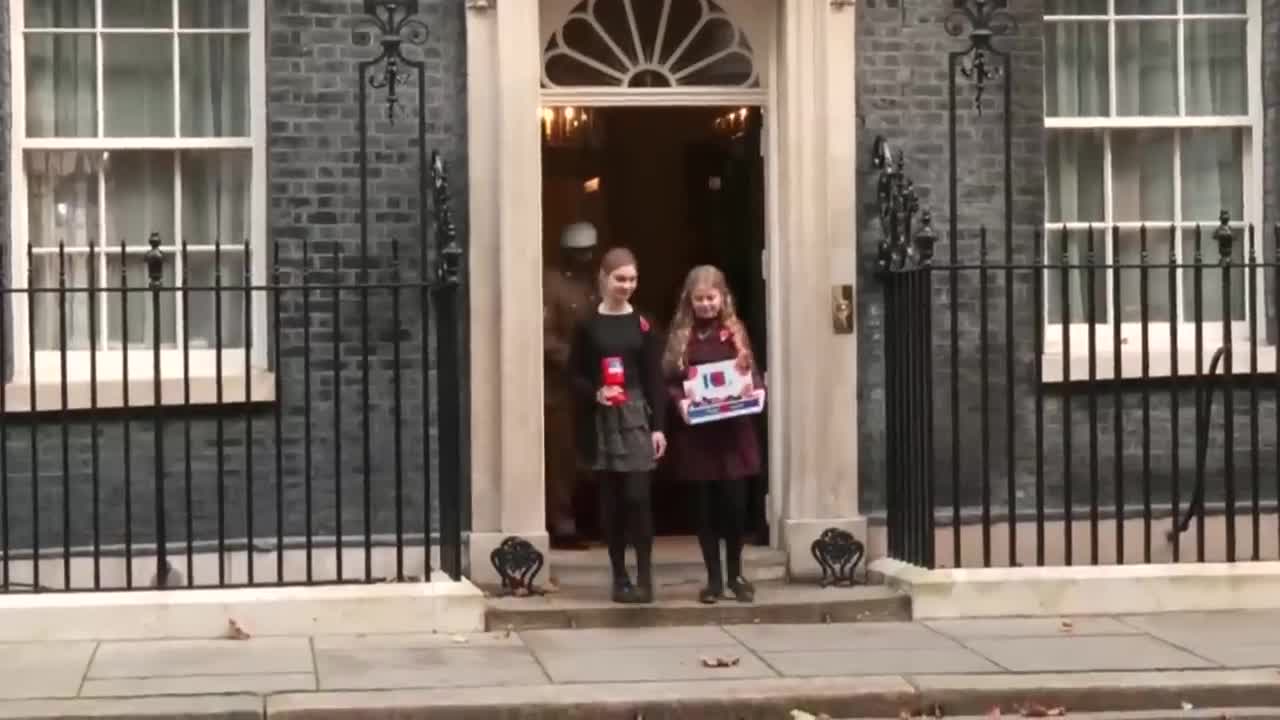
(691, 373)
(644, 324)
(725, 335)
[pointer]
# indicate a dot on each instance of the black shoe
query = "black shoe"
(710, 595)
(625, 592)
(743, 591)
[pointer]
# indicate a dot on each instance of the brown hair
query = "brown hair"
(618, 257)
(673, 360)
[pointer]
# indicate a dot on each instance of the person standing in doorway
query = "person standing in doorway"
(719, 457)
(568, 291)
(615, 366)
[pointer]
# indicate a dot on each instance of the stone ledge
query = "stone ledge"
(1082, 590)
(870, 696)
(416, 607)
(202, 707)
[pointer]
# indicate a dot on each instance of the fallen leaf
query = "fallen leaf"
(1067, 626)
(460, 639)
(719, 662)
(510, 629)
(1042, 711)
(1187, 706)
(802, 715)
(235, 632)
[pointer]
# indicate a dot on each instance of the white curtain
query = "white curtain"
(62, 187)
(1142, 162)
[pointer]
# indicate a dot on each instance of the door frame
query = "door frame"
(810, 165)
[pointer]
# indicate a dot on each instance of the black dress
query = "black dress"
(618, 438)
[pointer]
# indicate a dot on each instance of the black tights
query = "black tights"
(626, 512)
(722, 511)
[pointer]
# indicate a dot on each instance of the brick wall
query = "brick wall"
(902, 80)
(313, 49)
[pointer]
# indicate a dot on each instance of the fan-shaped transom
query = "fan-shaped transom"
(649, 43)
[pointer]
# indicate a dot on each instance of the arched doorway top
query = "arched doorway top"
(648, 44)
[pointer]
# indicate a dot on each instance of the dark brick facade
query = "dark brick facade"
(313, 50)
(902, 90)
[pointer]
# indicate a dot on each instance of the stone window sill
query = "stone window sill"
(203, 391)
(1159, 364)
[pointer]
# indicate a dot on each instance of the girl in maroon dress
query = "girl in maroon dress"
(719, 457)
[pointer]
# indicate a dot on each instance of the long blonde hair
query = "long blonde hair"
(674, 359)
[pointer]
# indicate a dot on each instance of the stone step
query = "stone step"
(776, 603)
(677, 562)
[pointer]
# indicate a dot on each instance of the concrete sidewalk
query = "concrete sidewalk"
(863, 669)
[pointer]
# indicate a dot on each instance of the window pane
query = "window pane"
(1142, 175)
(1212, 174)
(1074, 181)
(205, 14)
(59, 14)
(1146, 68)
(136, 306)
(215, 197)
(1216, 72)
(203, 305)
(1211, 275)
(62, 198)
(137, 13)
(62, 86)
(137, 77)
(1075, 7)
(1076, 79)
(139, 197)
(215, 85)
(1073, 247)
(50, 310)
(1146, 7)
(1216, 7)
(1129, 252)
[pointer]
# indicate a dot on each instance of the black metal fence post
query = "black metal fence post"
(155, 276)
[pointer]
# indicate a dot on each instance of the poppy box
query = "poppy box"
(718, 391)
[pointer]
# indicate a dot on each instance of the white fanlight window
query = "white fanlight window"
(649, 44)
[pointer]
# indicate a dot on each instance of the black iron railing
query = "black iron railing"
(164, 457)
(1056, 435)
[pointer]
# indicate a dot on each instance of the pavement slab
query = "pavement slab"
(849, 636)
(425, 667)
(1076, 654)
(855, 662)
(41, 670)
(652, 664)
(625, 638)
(1031, 627)
(1247, 627)
(176, 658)
(262, 684)
(214, 707)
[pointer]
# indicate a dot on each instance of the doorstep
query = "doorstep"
(776, 603)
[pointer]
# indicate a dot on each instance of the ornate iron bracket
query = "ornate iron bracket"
(517, 563)
(901, 247)
(1226, 239)
(394, 20)
(838, 554)
(986, 19)
(450, 269)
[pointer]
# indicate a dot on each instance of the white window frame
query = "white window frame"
(1160, 357)
(197, 364)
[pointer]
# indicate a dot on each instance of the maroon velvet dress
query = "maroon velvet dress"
(721, 450)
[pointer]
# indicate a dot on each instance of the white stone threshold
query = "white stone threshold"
(441, 605)
(1082, 590)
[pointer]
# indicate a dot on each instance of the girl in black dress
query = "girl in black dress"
(615, 366)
